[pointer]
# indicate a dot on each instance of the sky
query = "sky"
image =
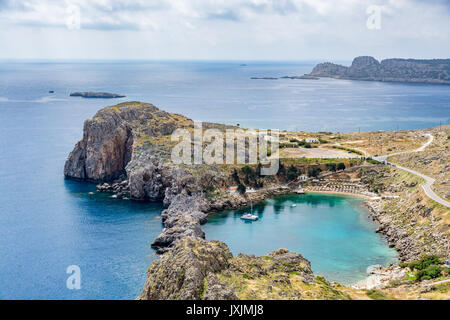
(331, 30)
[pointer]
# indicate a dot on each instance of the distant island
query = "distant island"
(436, 71)
(101, 95)
(263, 78)
(305, 76)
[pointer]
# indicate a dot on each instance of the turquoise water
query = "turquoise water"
(47, 223)
(333, 232)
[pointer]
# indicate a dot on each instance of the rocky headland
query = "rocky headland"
(198, 269)
(436, 71)
(98, 95)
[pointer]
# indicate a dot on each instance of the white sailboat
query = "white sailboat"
(250, 216)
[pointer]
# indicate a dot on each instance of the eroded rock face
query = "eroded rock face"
(180, 273)
(109, 139)
(199, 269)
(103, 152)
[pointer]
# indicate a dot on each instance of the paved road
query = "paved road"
(438, 282)
(428, 180)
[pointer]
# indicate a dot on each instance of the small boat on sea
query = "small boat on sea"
(249, 216)
(294, 205)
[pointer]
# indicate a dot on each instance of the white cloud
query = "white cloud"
(223, 29)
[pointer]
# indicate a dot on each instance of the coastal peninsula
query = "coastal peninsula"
(434, 71)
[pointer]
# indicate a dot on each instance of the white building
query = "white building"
(312, 140)
(303, 178)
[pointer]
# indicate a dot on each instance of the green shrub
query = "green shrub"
(376, 295)
(430, 272)
(372, 161)
(423, 263)
(427, 268)
(304, 144)
(349, 150)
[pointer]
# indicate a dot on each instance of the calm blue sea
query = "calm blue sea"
(47, 223)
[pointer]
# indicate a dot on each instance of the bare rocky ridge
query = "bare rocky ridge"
(180, 273)
(396, 70)
(198, 269)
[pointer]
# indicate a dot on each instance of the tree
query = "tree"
(282, 170)
(235, 176)
(341, 166)
(258, 170)
(314, 172)
(292, 173)
(247, 170)
(241, 188)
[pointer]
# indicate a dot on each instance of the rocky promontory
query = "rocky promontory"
(198, 269)
(99, 95)
(367, 68)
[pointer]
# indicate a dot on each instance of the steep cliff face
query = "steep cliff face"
(397, 70)
(109, 139)
(103, 152)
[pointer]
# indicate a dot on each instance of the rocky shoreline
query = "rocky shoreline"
(409, 240)
(396, 236)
